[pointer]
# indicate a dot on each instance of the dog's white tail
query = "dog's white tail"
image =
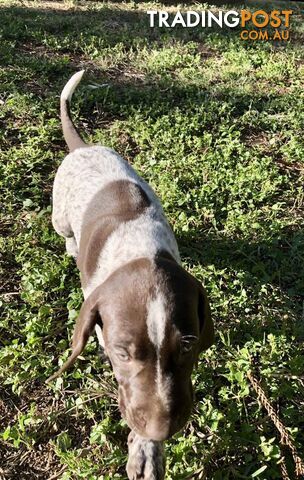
(70, 133)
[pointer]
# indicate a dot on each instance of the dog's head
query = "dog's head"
(155, 320)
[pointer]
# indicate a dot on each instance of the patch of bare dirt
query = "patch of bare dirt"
(38, 460)
(256, 139)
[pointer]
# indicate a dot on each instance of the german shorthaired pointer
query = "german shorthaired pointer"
(151, 317)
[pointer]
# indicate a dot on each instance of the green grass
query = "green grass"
(216, 125)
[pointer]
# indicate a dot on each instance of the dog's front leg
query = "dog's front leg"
(71, 247)
(146, 458)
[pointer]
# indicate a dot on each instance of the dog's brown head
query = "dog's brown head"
(155, 319)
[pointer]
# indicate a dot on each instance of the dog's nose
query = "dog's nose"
(158, 431)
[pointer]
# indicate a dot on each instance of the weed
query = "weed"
(215, 125)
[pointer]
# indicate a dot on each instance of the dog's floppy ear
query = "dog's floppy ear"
(206, 338)
(85, 323)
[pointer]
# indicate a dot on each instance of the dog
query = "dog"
(151, 317)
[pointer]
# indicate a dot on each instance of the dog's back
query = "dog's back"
(103, 207)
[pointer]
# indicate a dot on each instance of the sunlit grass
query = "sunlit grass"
(216, 126)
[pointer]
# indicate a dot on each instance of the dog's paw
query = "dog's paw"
(146, 459)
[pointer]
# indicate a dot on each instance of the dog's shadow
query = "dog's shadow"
(277, 263)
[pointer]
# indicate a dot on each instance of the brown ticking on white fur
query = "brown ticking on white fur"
(152, 317)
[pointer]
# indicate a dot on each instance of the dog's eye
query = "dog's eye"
(186, 347)
(187, 343)
(123, 356)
